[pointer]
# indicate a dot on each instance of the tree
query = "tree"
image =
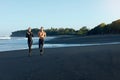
(83, 31)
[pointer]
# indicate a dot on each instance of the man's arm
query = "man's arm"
(45, 34)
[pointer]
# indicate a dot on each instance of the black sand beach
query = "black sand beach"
(72, 63)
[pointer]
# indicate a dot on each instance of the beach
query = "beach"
(67, 63)
(60, 40)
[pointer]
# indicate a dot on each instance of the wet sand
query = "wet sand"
(72, 63)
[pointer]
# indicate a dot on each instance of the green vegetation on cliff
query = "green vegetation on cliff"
(113, 28)
(53, 32)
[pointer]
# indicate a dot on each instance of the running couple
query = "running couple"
(41, 35)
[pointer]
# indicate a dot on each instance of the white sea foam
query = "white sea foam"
(4, 37)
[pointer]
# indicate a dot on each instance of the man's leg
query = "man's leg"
(40, 45)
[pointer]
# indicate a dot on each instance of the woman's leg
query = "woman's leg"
(30, 45)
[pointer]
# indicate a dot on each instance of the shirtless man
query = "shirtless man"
(41, 35)
(29, 35)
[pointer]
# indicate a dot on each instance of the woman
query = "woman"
(29, 35)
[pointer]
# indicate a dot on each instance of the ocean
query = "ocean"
(19, 43)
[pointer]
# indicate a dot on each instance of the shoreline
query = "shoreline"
(66, 41)
(89, 45)
(67, 45)
(84, 39)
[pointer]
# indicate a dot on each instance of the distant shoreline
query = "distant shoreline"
(67, 39)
